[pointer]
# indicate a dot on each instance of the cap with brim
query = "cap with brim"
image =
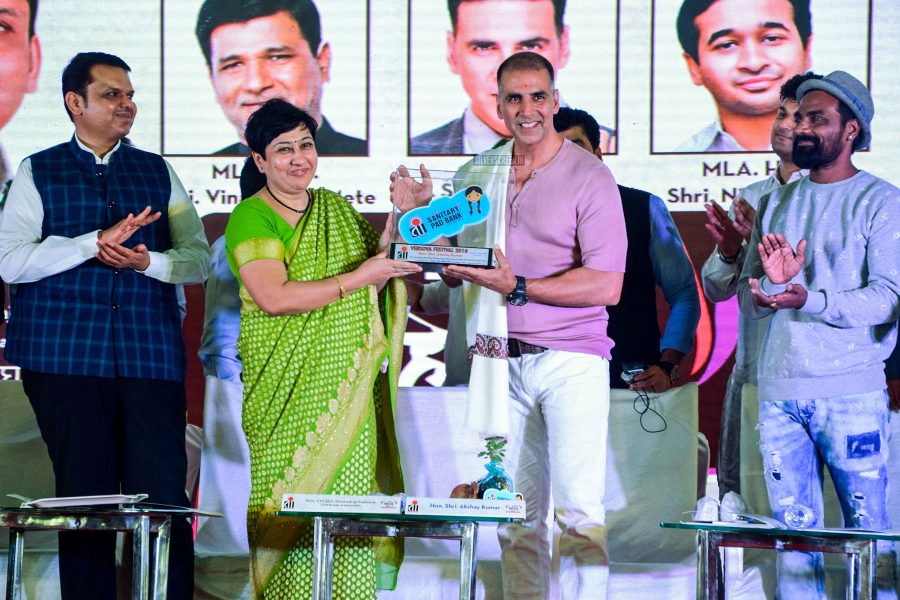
(853, 93)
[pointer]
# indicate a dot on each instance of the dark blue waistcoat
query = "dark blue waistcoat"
(95, 319)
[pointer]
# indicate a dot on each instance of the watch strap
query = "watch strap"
(666, 366)
(518, 297)
(670, 368)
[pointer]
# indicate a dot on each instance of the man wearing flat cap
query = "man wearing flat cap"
(823, 262)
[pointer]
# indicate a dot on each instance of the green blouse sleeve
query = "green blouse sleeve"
(252, 234)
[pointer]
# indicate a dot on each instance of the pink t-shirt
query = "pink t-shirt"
(567, 215)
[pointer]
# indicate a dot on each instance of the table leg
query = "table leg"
(140, 559)
(865, 562)
(323, 557)
(468, 560)
(702, 565)
(161, 561)
(732, 568)
(709, 565)
(14, 564)
(715, 568)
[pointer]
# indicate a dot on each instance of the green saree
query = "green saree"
(318, 411)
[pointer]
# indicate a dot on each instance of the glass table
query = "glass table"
(327, 526)
(139, 520)
(858, 543)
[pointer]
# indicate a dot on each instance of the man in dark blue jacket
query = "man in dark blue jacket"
(96, 234)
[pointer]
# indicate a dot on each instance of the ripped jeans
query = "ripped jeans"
(849, 434)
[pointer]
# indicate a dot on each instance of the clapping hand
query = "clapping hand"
(727, 233)
(779, 261)
(120, 257)
(121, 231)
(744, 216)
(110, 250)
(794, 296)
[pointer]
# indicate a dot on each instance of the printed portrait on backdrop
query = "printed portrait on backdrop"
(20, 65)
(477, 36)
(736, 54)
(31, 114)
(256, 50)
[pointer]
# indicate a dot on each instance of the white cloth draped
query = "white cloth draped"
(486, 333)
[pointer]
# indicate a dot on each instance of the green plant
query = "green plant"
(494, 449)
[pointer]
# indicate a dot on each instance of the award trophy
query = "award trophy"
(429, 212)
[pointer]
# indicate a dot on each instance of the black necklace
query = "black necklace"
(291, 208)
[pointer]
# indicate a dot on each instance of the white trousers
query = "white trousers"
(224, 471)
(558, 429)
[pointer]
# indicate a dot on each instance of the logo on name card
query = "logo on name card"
(416, 227)
(495, 494)
(288, 502)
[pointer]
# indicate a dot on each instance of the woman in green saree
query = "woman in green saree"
(323, 313)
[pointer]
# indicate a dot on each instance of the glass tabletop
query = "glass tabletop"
(395, 518)
(766, 529)
(107, 510)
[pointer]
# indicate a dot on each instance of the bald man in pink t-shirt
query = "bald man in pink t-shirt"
(564, 263)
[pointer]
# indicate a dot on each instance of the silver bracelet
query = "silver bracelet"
(728, 260)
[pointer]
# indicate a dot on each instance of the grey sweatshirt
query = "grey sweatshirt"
(836, 343)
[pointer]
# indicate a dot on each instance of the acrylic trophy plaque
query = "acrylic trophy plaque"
(426, 235)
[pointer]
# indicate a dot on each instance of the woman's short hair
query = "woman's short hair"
(252, 179)
(271, 120)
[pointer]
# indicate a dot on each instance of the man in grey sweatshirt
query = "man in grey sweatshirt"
(823, 261)
(721, 273)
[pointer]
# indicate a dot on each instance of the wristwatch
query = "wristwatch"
(670, 368)
(517, 297)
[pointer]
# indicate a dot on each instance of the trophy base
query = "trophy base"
(433, 258)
